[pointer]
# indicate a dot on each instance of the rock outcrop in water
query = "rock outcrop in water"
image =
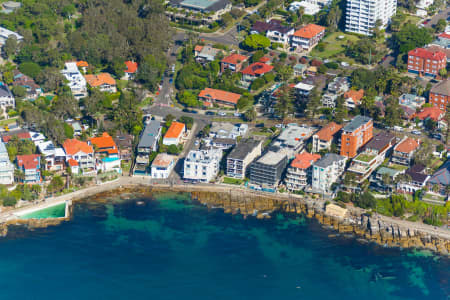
(362, 225)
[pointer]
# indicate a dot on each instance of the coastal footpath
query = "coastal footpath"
(380, 229)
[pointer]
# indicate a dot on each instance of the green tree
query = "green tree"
(19, 91)
(10, 46)
(256, 41)
(189, 99)
(440, 25)
(410, 37)
(250, 115)
(30, 68)
(284, 105)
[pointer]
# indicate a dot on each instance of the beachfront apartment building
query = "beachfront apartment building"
(222, 98)
(6, 167)
(355, 135)
(323, 138)
(372, 157)
(326, 171)
(307, 37)
(404, 151)
(299, 172)
(76, 81)
(425, 62)
(293, 139)
(29, 167)
(202, 165)
(241, 156)
(148, 143)
(174, 134)
(266, 172)
(162, 166)
(82, 154)
(440, 94)
(233, 62)
(361, 15)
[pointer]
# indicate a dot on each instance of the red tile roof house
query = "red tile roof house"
(298, 174)
(254, 71)
(233, 62)
(174, 134)
(324, 137)
(30, 166)
(219, 97)
(21, 136)
(104, 145)
(307, 37)
(353, 98)
(103, 81)
(425, 62)
(130, 71)
(404, 151)
(82, 153)
(434, 113)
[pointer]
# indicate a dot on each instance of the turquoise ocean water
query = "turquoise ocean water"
(170, 248)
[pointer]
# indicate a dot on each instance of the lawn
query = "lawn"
(265, 133)
(230, 180)
(333, 45)
(397, 167)
(365, 157)
(8, 121)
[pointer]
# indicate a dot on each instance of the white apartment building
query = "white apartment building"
(327, 171)
(241, 156)
(6, 167)
(77, 83)
(361, 15)
(202, 165)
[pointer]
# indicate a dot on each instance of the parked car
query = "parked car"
(186, 110)
(436, 136)
(418, 132)
(194, 112)
(222, 114)
(236, 114)
(398, 128)
(210, 113)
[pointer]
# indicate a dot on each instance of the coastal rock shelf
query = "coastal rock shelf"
(358, 223)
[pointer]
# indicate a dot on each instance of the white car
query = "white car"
(416, 132)
(222, 114)
(236, 114)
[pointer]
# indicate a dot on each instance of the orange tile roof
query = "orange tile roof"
(220, 95)
(131, 66)
(304, 160)
(355, 95)
(433, 113)
(309, 31)
(163, 160)
(104, 141)
(72, 162)
(407, 145)
(82, 63)
(327, 132)
(100, 79)
(264, 59)
(198, 48)
(30, 161)
(21, 136)
(234, 59)
(175, 130)
(424, 53)
(257, 68)
(73, 146)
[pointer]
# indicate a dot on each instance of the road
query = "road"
(444, 14)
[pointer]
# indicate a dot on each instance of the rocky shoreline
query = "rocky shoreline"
(378, 229)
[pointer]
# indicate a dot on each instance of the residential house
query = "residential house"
(412, 101)
(82, 153)
(304, 87)
(33, 90)
(10, 6)
(434, 113)
(253, 71)
(6, 167)
(124, 142)
(6, 98)
(299, 172)
(326, 171)
(355, 135)
(103, 81)
(260, 27)
(223, 143)
(443, 41)
(148, 143)
(174, 134)
(378, 179)
(373, 155)
(418, 180)
(20, 134)
(337, 87)
(107, 153)
(37, 137)
(131, 70)
(219, 97)
(30, 166)
(307, 37)
(233, 62)
(202, 165)
(76, 81)
(404, 151)
(212, 9)
(312, 71)
(299, 70)
(55, 158)
(162, 166)
(280, 34)
(83, 65)
(440, 94)
(6, 34)
(308, 7)
(424, 62)
(353, 98)
(323, 138)
(441, 178)
(242, 156)
(205, 53)
(267, 171)
(221, 130)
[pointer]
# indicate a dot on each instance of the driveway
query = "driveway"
(444, 14)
